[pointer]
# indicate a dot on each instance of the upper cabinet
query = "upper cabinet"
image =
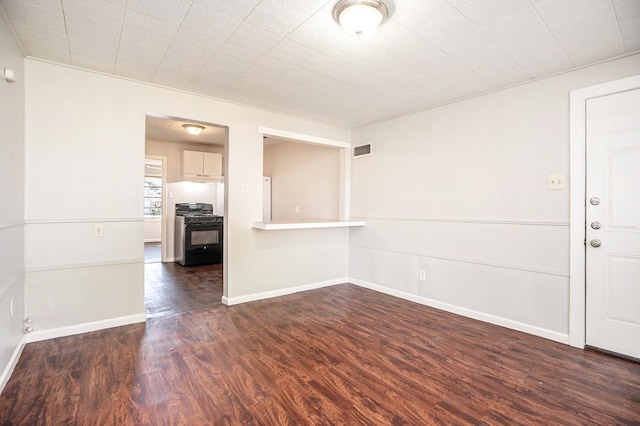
(201, 166)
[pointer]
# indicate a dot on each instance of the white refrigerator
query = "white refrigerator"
(266, 199)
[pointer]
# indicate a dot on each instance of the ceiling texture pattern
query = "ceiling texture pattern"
(290, 56)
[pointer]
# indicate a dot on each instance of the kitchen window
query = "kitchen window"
(152, 196)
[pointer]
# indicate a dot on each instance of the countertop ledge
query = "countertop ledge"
(306, 224)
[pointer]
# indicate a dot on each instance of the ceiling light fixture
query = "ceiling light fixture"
(360, 17)
(193, 129)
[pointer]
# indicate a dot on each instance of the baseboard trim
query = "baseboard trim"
(13, 361)
(469, 313)
(282, 292)
(87, 327)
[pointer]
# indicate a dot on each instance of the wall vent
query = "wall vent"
(362, 150)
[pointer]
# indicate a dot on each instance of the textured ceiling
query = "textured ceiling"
(290, 56)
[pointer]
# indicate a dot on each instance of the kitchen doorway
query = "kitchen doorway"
(171, 288)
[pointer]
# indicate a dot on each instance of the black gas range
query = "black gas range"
(201, 218)
(198, 236)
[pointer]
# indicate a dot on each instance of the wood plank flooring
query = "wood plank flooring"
(170, 288)
(341, 355)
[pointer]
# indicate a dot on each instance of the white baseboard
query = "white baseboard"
(152, 240)
(469, 313)
(13, 361)
(87, 327)
(283, 292)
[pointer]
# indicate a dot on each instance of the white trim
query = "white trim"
(345, 184)
(537, 270)
(282, 292)
(163, 225)
(299, 137)
(41, 221)
(152, 240)
(87, 327)
(10, 225)
(85, 265)
(13, 361)
(311, 224)
(460, 220)
(469, 313)
(577, 139)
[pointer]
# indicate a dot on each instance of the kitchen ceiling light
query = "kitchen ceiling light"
(193, 129)
(360, 16)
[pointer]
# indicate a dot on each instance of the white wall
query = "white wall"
(94, 125)
(305, 176)
(152, 229)
(461, 192)
(12, 211)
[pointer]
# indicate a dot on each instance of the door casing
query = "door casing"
(577, 177)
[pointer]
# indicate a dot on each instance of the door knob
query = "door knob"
(595, 243)
(594, 201)
(596, 225)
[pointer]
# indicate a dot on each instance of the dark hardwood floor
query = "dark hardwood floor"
(338, 355)
(170, 289)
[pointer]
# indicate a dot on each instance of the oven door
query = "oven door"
(202, 243)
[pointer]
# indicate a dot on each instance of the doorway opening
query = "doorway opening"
(171, 288)
(154, 206)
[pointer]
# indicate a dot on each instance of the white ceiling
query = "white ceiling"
(290, 56)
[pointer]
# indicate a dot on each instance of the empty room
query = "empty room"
(316, 212)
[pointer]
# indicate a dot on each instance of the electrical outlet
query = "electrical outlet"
(423, 275)
(98, 230)
(556, 181)
(297, 209)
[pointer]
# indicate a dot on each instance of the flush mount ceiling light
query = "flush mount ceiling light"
(193, 129)
(360, 16)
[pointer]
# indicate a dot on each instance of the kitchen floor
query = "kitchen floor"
(171, 289)
(152, 252)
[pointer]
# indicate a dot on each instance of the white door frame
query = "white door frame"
(577, 254)
(163, 222)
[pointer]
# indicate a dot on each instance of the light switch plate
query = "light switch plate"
(556, 181)
(245, 188)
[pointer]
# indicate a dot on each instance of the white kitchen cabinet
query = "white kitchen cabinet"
(201, 166)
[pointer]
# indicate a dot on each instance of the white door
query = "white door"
(613, 223)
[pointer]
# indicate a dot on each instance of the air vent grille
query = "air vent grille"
(362, 150)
